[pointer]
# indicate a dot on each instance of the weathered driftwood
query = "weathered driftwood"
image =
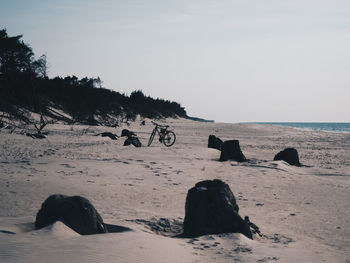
(36, 135)
(108, 134)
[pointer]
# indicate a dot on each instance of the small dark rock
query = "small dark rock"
(231, 150)
(289, 155)
(134, 141)
(74, 211)
(211, 208)
(214, 142)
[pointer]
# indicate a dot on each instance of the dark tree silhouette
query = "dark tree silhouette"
(15, 56)
(24, 84)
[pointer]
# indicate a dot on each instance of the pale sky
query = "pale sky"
(230, 61)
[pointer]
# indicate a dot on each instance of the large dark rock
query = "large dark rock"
(214, 142)
(211, 208)
(127, 133)
(74, 211)
(289, 155)
(133, 140)
(231, 150)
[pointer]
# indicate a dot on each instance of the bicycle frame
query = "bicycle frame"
(162, 131)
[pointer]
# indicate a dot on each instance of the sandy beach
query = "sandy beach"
(303, 212)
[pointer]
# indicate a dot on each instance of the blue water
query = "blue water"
(319, 126)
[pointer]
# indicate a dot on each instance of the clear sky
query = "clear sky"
(231, 61)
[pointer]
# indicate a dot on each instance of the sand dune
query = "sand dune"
(303, 212)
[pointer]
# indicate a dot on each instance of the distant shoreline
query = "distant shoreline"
(314, 126)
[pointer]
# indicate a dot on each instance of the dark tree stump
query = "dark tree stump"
(214, 142)
(74, 211)
(231, 150)
(127, 133)
(211, 208)
(289, 155)
(134, 141)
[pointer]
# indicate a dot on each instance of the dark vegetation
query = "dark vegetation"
(24, 84)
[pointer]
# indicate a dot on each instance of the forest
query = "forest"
(24, 84)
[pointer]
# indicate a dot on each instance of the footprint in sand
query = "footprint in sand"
(67, 165)
(277, 238)
(241, 249)
(191, 241)
(92, 175)
(137, 179)
(266, 259)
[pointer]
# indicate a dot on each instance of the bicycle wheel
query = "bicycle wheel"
(151, 138)
(169, 138)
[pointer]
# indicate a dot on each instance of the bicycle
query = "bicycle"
(167, 137)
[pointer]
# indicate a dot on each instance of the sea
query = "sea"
(317, 126)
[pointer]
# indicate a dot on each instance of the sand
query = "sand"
(303, 212)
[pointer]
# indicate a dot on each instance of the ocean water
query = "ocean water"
(318, 126)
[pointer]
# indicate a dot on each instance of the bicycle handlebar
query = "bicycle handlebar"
(166, 126)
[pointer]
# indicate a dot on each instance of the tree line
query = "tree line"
(24, 84)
